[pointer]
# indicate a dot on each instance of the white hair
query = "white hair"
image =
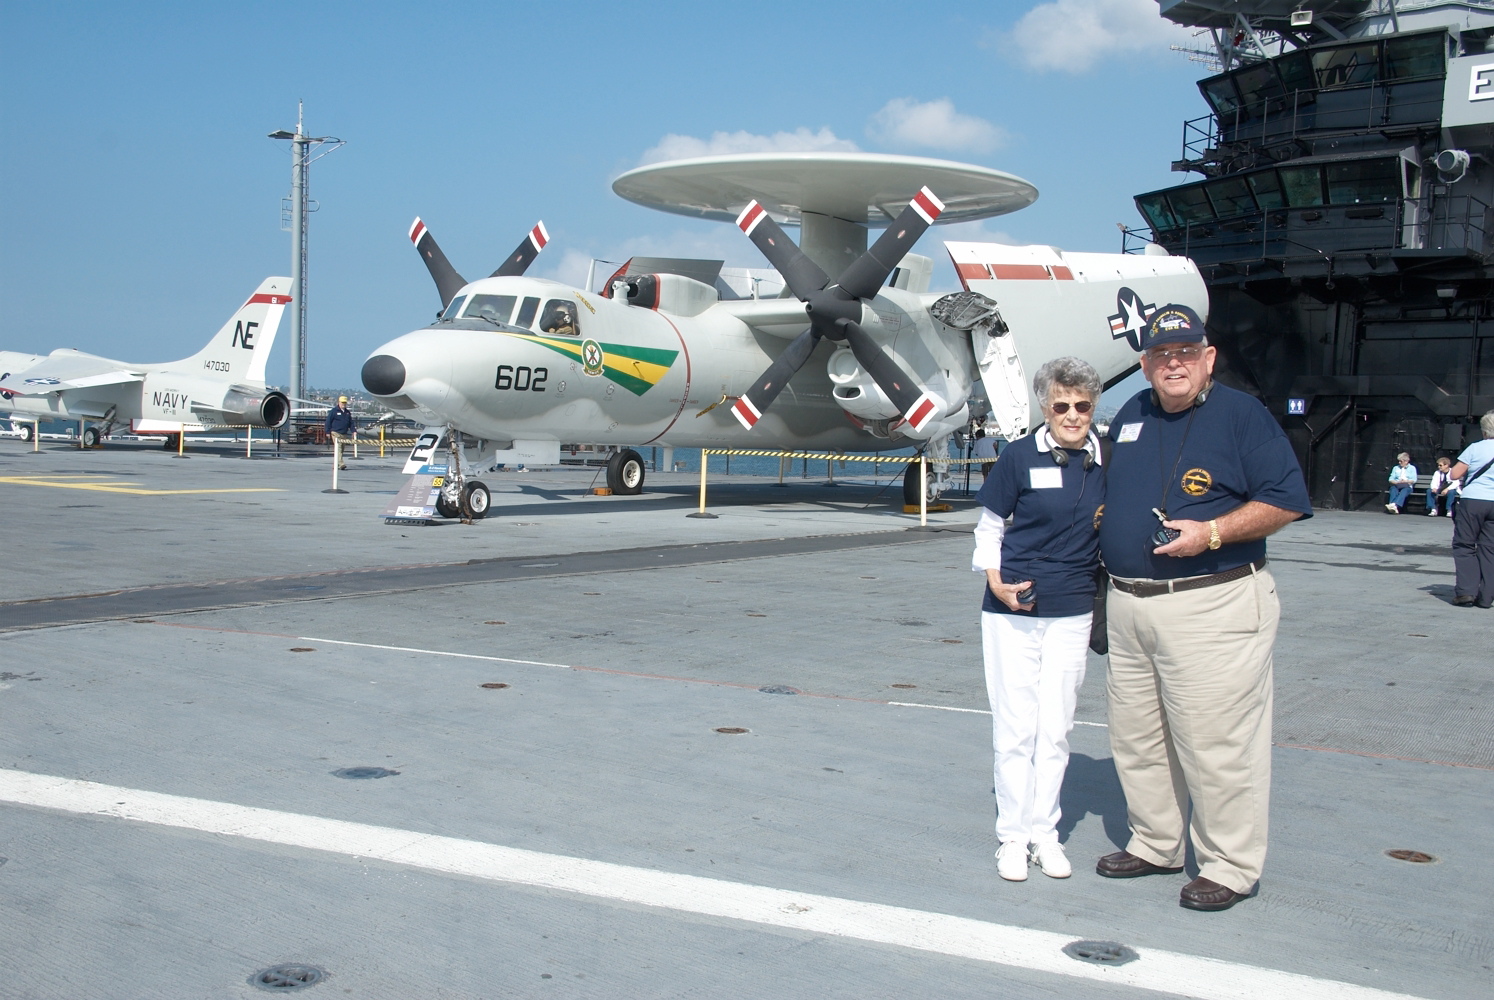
(1071, 373)
(1486, 422)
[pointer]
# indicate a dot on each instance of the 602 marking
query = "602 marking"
(521, 379)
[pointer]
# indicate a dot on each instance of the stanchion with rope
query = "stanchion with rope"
(786, 456)
(381, 440)
(181, 442)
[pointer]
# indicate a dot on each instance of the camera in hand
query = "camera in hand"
(1165, 535)
(1026, 596)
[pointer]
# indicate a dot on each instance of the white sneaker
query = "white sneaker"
(1011, 861)
(1431, 513)
(1391, 509)
(1051, 859)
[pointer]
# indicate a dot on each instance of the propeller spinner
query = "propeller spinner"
(835, 309)
(449, 282)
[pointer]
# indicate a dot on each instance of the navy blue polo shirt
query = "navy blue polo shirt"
(1232, 452)
(1052, 539)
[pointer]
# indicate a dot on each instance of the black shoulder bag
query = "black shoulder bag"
(1099, 636)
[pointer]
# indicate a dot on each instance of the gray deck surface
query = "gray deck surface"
(650, 630)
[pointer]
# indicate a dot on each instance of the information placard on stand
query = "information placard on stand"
(416, 502)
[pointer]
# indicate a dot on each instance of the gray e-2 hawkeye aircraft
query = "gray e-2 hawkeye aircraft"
(857, 355)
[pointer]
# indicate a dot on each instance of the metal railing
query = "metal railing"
(1455, 224)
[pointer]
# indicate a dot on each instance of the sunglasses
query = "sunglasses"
(1083, 407)
(1166, 354)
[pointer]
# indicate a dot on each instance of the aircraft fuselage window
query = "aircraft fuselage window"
(527, 309)
(453, 310)
(497, 308)
(560, 317)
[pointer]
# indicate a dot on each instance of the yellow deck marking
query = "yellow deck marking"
(110, 486)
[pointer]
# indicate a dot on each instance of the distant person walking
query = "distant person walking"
(1442, 491)
(1199, 476)
(985, 450)
(1473, 523)
(340, 425)
(1402, 479)
(1039, 597)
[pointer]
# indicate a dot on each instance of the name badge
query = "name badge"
(1129, 433)
(1046, 479)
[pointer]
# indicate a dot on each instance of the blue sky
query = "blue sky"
(141, 198)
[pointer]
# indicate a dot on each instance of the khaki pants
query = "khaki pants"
(1190, 723)
(339, 442)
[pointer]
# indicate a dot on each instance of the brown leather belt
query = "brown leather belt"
(1188, 583)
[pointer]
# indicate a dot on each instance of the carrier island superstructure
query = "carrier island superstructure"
(1344, 223)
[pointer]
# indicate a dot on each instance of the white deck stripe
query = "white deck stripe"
(961, 937)
(568, 666)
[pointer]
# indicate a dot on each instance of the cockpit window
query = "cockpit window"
(560, 317)
(497, 308)
(453, 310)
(527, 309)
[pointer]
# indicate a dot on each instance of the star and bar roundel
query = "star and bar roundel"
(636, 369)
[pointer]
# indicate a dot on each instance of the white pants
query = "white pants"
(1034, 667)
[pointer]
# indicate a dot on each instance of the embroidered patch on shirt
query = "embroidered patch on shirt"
(1046, 479)
(1129, 433)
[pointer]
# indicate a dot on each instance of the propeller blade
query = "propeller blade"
(869, 272)
(518, 262)
(802, 275)
(448, 282)
(917, 407)
(749, 409)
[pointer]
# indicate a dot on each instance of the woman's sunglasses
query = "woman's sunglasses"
(1083, 407)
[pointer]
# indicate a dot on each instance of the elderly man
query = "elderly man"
(1473, 521)
(1200, 475)
(341, 427)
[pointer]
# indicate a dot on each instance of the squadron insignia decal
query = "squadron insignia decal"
(1130, 318)
(592, 358)
(1197, 482)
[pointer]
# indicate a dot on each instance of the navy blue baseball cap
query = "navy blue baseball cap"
(1173, 324)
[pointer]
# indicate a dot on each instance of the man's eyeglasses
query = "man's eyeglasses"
(1080, 407)
(1166, 354)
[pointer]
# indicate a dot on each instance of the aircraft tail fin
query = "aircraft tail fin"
(238, 352)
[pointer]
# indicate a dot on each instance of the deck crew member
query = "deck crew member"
(340, 425)
(1051, 485)
(1473, 521)
(1192, 621)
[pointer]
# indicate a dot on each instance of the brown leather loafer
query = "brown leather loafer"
(1124, 864)
(1206, 894)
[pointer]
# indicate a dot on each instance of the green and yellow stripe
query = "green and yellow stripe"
(636, 369)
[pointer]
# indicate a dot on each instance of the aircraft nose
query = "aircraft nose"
(383, 375)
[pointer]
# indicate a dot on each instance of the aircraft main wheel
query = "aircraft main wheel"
(625, 472)
(90, 437)
(910, 485)
(169, 442)
(478, 499)
(28, 431)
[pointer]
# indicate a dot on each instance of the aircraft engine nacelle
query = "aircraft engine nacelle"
(244, 406)
(854, 389)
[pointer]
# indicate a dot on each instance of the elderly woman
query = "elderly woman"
(1040, 593)
(1473, 521)
(1402, 479)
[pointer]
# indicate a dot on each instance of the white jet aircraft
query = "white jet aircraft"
(221, 385)
(673, 357)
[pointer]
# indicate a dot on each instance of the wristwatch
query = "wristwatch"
(1214, 540)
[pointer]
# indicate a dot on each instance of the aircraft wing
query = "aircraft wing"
(67, 370)
(776, 317)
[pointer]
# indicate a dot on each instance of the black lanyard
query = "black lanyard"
(1167, 483)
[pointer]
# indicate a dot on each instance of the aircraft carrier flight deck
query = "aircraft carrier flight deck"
(590, 747)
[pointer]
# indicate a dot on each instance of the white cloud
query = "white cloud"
(800, 140)
(569, 268)
(1072, 35)
(933, 125)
